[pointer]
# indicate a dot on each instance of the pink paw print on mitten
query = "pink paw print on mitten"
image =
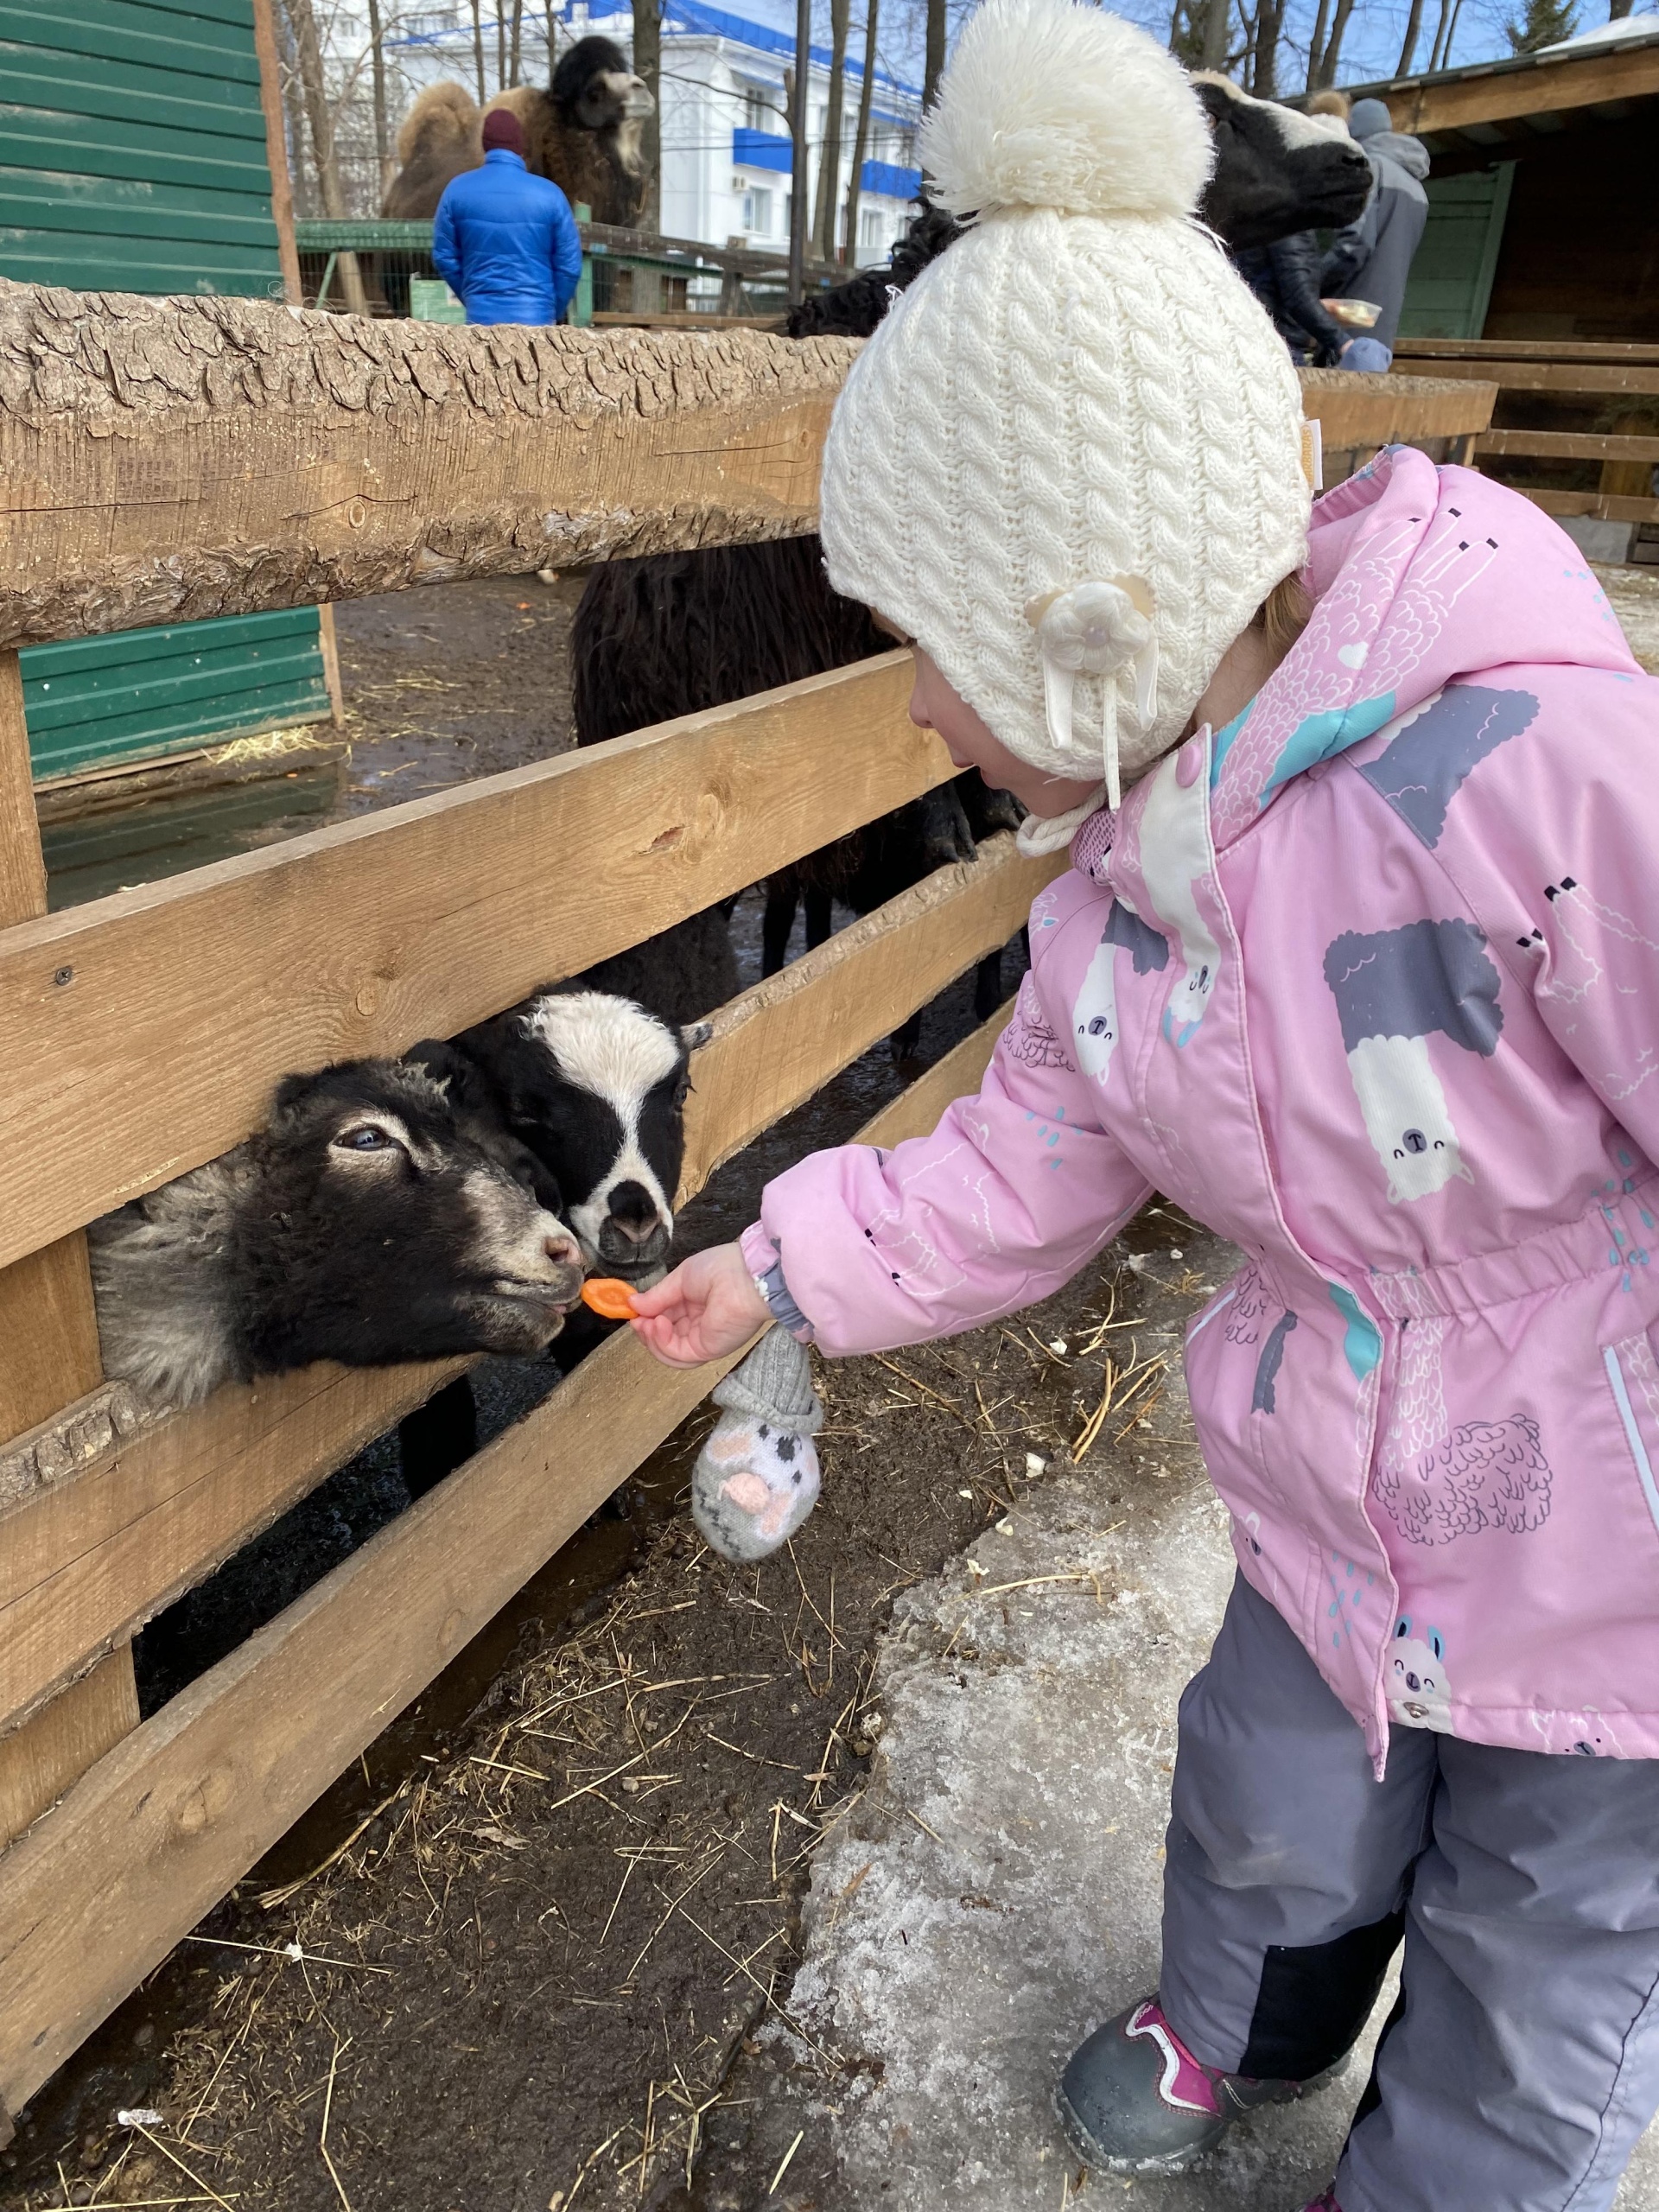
(756, 1478)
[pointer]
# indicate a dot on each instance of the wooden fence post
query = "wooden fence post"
(49, 1352)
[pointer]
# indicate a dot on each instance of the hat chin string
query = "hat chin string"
(1059, 703)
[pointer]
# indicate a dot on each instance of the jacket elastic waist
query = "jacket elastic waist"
(1614, 1233)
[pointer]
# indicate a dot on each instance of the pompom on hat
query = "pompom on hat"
(1069, 462)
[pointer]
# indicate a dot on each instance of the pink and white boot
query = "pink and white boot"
(1133, 2099)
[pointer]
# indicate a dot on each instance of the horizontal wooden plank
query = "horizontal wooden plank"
(1568, 445)
(1554, 376)
(141, 1034)
(94, 1896)
(1601, 507)
(1410, 350)
(1377, 410)
(769, 1048)
(917, 1108)
(39, 1764)
(167, 458)
(84, 1563)
(1546, 86)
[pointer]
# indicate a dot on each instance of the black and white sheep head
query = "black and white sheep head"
(361, 1225)
(595, 88)
(389, 1232)
(596, 1088)
(1277, 170)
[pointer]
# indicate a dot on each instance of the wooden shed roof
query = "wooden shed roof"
(1504, 103)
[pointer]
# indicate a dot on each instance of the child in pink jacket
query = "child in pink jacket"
(1363, 971)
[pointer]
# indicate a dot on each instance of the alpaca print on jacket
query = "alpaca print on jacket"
(1367, 982)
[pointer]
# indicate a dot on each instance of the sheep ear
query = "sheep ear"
(696, 1034)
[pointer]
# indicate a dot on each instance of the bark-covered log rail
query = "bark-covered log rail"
(165, 460)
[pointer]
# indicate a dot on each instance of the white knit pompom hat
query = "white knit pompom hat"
(1069, 462)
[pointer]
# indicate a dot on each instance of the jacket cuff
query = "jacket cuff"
(766, 1267)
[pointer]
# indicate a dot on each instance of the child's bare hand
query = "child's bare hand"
(706, 1307)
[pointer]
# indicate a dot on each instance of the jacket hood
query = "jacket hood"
(1403, 149)
(1421, 575)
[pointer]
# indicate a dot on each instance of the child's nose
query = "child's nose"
(919, 713)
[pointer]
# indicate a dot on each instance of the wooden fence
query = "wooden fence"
(1588, 378)
(172, 458)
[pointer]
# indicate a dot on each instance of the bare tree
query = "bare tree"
(648, 65)
(1333, 53)
(478, 49)
(933, 66)
(1269, 28)
(1316, 44)
(294, 119)
(516, 44)
(860, 134)
(1408, 44)
(308, 49)
(500, 46)
(829, 158)
(378, 64)
(552, 40)
(1218, 16)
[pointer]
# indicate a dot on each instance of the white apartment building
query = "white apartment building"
(726, 148)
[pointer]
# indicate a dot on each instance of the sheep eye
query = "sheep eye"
(366, 1138)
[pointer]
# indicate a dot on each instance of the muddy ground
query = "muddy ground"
(528, 1975)
(510, 2003)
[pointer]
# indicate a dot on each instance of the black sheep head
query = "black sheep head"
(596, 1087)
(376, 1228)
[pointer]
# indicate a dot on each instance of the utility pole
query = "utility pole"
(861, 136)
(799, 211)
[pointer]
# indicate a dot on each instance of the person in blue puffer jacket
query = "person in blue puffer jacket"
(503, 241)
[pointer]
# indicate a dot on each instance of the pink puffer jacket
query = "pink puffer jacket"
(1369, 981)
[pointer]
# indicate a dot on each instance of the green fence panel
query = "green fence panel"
(132, 159)
(147, 693)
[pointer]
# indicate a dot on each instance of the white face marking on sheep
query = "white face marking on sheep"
(1406, 1115)
(617, 1053)
(537, 1249)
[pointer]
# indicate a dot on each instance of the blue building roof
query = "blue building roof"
(695, 16)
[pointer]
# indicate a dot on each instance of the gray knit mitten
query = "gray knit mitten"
(756, 1478)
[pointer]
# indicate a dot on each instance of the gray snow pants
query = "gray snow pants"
(1522, 2062)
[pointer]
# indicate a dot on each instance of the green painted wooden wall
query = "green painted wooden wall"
(132, 159)
(1451, 280)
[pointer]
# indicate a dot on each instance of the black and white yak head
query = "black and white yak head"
(364, 1224)
(1277, 170)
(596, 1087)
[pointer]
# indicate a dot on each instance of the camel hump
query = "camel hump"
(443, 112)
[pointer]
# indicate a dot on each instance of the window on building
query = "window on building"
(760, 110)
(869, 228)
(757, 211)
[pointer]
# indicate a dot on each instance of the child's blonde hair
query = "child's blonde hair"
(1284, 613)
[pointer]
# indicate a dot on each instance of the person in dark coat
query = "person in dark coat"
(1371, 260)
(1285, 277)
(503, 241)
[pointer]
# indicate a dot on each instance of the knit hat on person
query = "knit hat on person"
(503, 128)
(1367, 118)
(1069, 463)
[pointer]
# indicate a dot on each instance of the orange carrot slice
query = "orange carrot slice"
(607, 1296)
